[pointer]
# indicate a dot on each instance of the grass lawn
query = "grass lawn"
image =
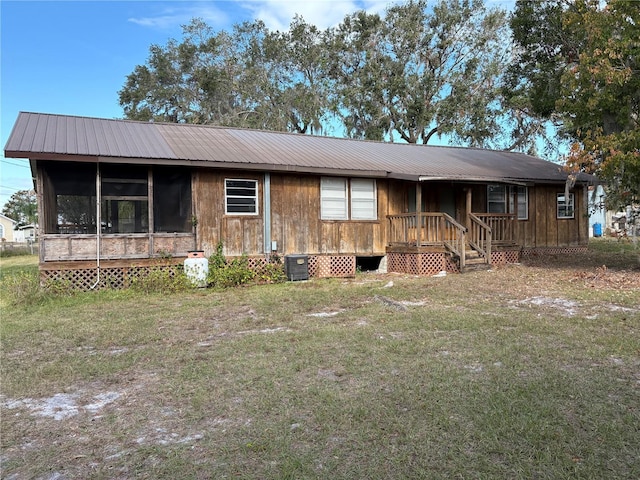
(526, 371)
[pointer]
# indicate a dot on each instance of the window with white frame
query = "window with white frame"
(333, 194)
(241, 196)
(338, 194)
(363, 199)
(1, 231)
(565, 205)
(508, 199)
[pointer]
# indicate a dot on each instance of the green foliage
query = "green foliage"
(224, 273)
(273, 271)
(15, 252)
(229, 273)
(22, 288)
(162, 280)
(237, 272)
(578, 66)
(22, 207)
(417, 71)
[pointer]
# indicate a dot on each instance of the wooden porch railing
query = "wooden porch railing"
(428, 228)
(501, 225)
(480, 237)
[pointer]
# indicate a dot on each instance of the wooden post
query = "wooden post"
(468, 222)
(418, 213)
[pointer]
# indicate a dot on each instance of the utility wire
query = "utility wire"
(15, 164)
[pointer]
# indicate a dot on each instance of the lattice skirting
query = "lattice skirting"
(110, 277)
(324, 266)
(540, 251)
(428, 263)
(502, 257)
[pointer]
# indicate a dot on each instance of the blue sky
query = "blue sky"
(72, 57)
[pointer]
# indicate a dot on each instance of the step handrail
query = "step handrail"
(458, 243)
(480, 237)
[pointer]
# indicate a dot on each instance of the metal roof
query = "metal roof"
(61, 137)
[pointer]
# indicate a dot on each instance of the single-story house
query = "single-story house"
(114, 196)
(6, 228)
(25, 234)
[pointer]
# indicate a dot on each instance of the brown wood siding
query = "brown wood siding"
(239, 234)
(296, 226)
(544, 229)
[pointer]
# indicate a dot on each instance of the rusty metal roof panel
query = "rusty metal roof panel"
(215, 146)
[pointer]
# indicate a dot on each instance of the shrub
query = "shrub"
(224, 273)
(230, 274)
(273, 271)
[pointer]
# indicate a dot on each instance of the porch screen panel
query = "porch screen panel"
(125, 199)
(171, 200)
(333, 193)
(363, 199)
(73, 187)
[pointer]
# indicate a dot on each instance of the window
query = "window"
(333, 193)
(363, 199)
(337, 194)
(241, 197)
(565, 205)
(497, 196)
(497, 199)
(520, 196)
(1, 231)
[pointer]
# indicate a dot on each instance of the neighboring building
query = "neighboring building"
(6, 228)
(599, 216)
(603, 222)
(161, 190)
(25, 234)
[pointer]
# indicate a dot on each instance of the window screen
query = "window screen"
(125, 199)
(74, 210)
(241, 197)
(171, 200)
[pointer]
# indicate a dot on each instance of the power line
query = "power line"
(15, 164)
(14, 189)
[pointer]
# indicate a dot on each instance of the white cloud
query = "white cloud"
(277, 14)
(171, 17)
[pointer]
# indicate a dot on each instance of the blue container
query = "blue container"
(597, 230)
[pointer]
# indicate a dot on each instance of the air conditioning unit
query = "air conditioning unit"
(296, 267)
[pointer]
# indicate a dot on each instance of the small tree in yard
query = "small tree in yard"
(22, 207)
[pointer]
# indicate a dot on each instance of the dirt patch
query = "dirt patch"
(63, 405)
